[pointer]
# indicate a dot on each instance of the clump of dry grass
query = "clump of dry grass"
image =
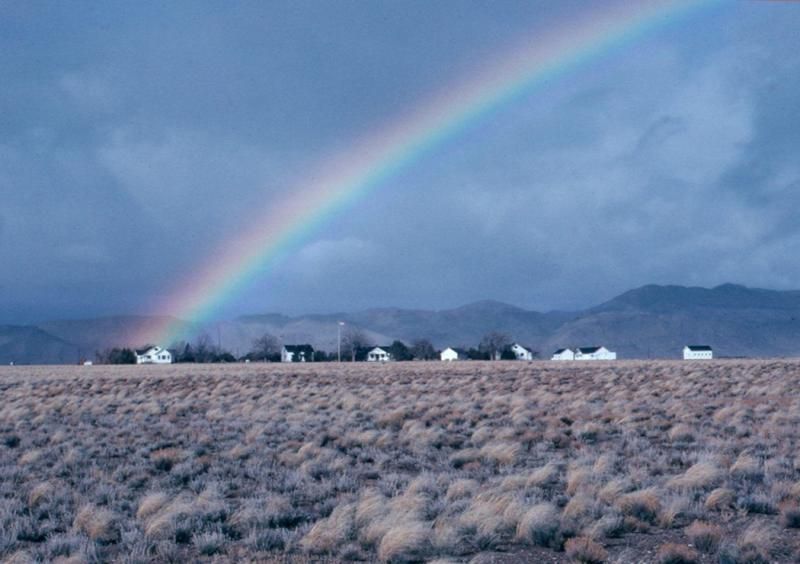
(644, 505)
(97, 523)
(704, 536)
(583, 549)
(699, 476)
(539, 525)
(674, 553)
(328, 534)
(720, 499)
(405, 542)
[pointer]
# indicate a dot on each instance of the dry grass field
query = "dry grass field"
(664, 462)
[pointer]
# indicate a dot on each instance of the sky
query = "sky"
(137, 138)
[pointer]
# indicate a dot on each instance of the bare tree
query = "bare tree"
(494, 343)
(353, 340)
(265, 347)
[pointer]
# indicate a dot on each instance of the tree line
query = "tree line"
(355, 344)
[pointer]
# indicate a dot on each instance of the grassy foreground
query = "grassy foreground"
(589, 462)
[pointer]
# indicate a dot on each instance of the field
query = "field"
(628, 461)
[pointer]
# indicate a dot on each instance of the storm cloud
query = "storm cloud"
(135, 139)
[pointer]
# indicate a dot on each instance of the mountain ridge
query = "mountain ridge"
(649, 321)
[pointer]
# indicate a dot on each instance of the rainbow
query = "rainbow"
(345, 178)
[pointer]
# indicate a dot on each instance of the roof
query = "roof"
(146, 350)
(698, 347)
(299, 348)
(459, 350)
(589, 350)
(384, 349)
(521, 346)
(559, 351)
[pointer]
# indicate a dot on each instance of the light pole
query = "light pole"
(339, 341)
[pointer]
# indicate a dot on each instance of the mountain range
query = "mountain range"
(648, 322)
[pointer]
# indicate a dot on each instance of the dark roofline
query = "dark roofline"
(589, 350)
(298, 348)
(699, 347)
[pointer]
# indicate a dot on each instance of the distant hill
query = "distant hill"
(31, 345)
(651, 321)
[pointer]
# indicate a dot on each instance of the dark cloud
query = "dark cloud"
(135, 138)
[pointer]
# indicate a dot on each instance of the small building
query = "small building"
(297, 353)
(522, 353)
(153, 355)
(450, 354)
(697, 352)
(379, 354)
(563, 354)
(594, 353)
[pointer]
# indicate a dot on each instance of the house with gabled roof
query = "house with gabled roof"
(563, 354)
(153, 355)
(520, 352)
(297, 353)
(697, 352)
(453, 353)
(379, 354)
(594, 353)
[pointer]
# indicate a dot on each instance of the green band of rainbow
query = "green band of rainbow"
(345, 179)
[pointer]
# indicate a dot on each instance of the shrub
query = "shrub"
(699, 476)
(642, 504)
(790, 517)
(674, 553)
(208, 543)
(327, 534)
(582, 549)
(539, 525)
(100, 525)
(747, 467)
(720, 499)
(681, 433)
(704, 536)
(405, 542)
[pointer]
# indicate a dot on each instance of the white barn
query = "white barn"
(153, 355)
(379, 354)
(521, 352)
(563, 354)
(697, 352)
(594, 353)
(450, 354)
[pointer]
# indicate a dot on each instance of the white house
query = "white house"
(153, 355)
(297, 353)
(563, 354)
(379, 354)
(697, 352)
(594, 353)
(450, 354)
(521, 352)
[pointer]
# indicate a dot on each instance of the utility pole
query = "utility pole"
(339, 342)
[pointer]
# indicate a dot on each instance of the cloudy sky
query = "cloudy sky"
(138, 137)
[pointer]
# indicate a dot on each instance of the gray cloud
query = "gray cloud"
(136, 139)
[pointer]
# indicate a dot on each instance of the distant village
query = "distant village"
(266, 349)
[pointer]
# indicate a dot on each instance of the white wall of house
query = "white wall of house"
(563, 354)
(289, 356)
(697, 353)
(154, 355)
(378, 355)
(601, 353)
(521, 352)
(449, 354)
